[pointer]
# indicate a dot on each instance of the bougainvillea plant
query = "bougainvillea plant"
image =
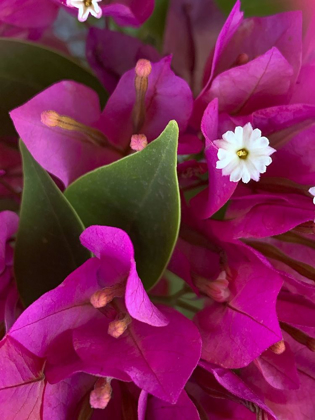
(157, 191)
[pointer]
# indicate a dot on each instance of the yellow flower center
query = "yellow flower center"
(88, 3)
(242, 153)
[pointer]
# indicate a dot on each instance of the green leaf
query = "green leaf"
(255, 7)
(26, 69)
(47, 246)
(140, 195)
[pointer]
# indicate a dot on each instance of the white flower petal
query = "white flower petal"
(246, 176)
(225, 162)
(236, 174)
(229, 137)
(312, 191)
(84, 11)
(247, 133)
(256, 134)
(241, 165)
(230, 167)
(260, 143)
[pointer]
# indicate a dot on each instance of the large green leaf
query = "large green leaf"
(47, 247)
(26, 69)
(140, 195)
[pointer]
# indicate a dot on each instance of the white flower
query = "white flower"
(243, 154)
(312, 192)
(85, 8)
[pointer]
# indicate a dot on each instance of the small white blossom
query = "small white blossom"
(86, 7)
(312, 192)
(243, 154)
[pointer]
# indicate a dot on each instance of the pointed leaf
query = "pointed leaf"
(26, 69)
(138, 194)
(48, 246)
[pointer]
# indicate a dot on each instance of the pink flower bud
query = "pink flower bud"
(102, 297)
(278, 348)
(218, 289)
(118, 327)
(50, 118)
(143, 68)
(138, 142)
(101, 395)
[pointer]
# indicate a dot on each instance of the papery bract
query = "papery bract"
(24, 391)
(287, 404)
(244, 49)
(28, 13)
(235, 334)
(65, 153)
(211, 385)
(279, 370)
(190, 34)
(220, 188)
(262, 215)
(168, 97)
(107, 62)
(159, 358)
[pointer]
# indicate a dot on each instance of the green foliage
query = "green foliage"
(255, 7)
(140, 195)
(47, 247)
(26, 69)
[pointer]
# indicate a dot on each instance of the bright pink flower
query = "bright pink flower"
(239, 320)
(167, 97)
(294, 404)
(245, 63)
(222, 394)
(28, 13)
(155, 348)
(58, 127)
(290, 131)
(220, 188)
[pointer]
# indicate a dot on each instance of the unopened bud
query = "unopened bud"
(278, 348)
(102, 297)
(143, 68)
(218, 289)
(101, 395)
(118, 327)
(242, 59)
(138, 142)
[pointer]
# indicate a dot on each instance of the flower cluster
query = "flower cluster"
(157, 215)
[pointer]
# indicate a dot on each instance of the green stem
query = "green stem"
(187, 306)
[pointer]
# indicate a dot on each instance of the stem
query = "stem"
(172, 299)
(187, 306)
